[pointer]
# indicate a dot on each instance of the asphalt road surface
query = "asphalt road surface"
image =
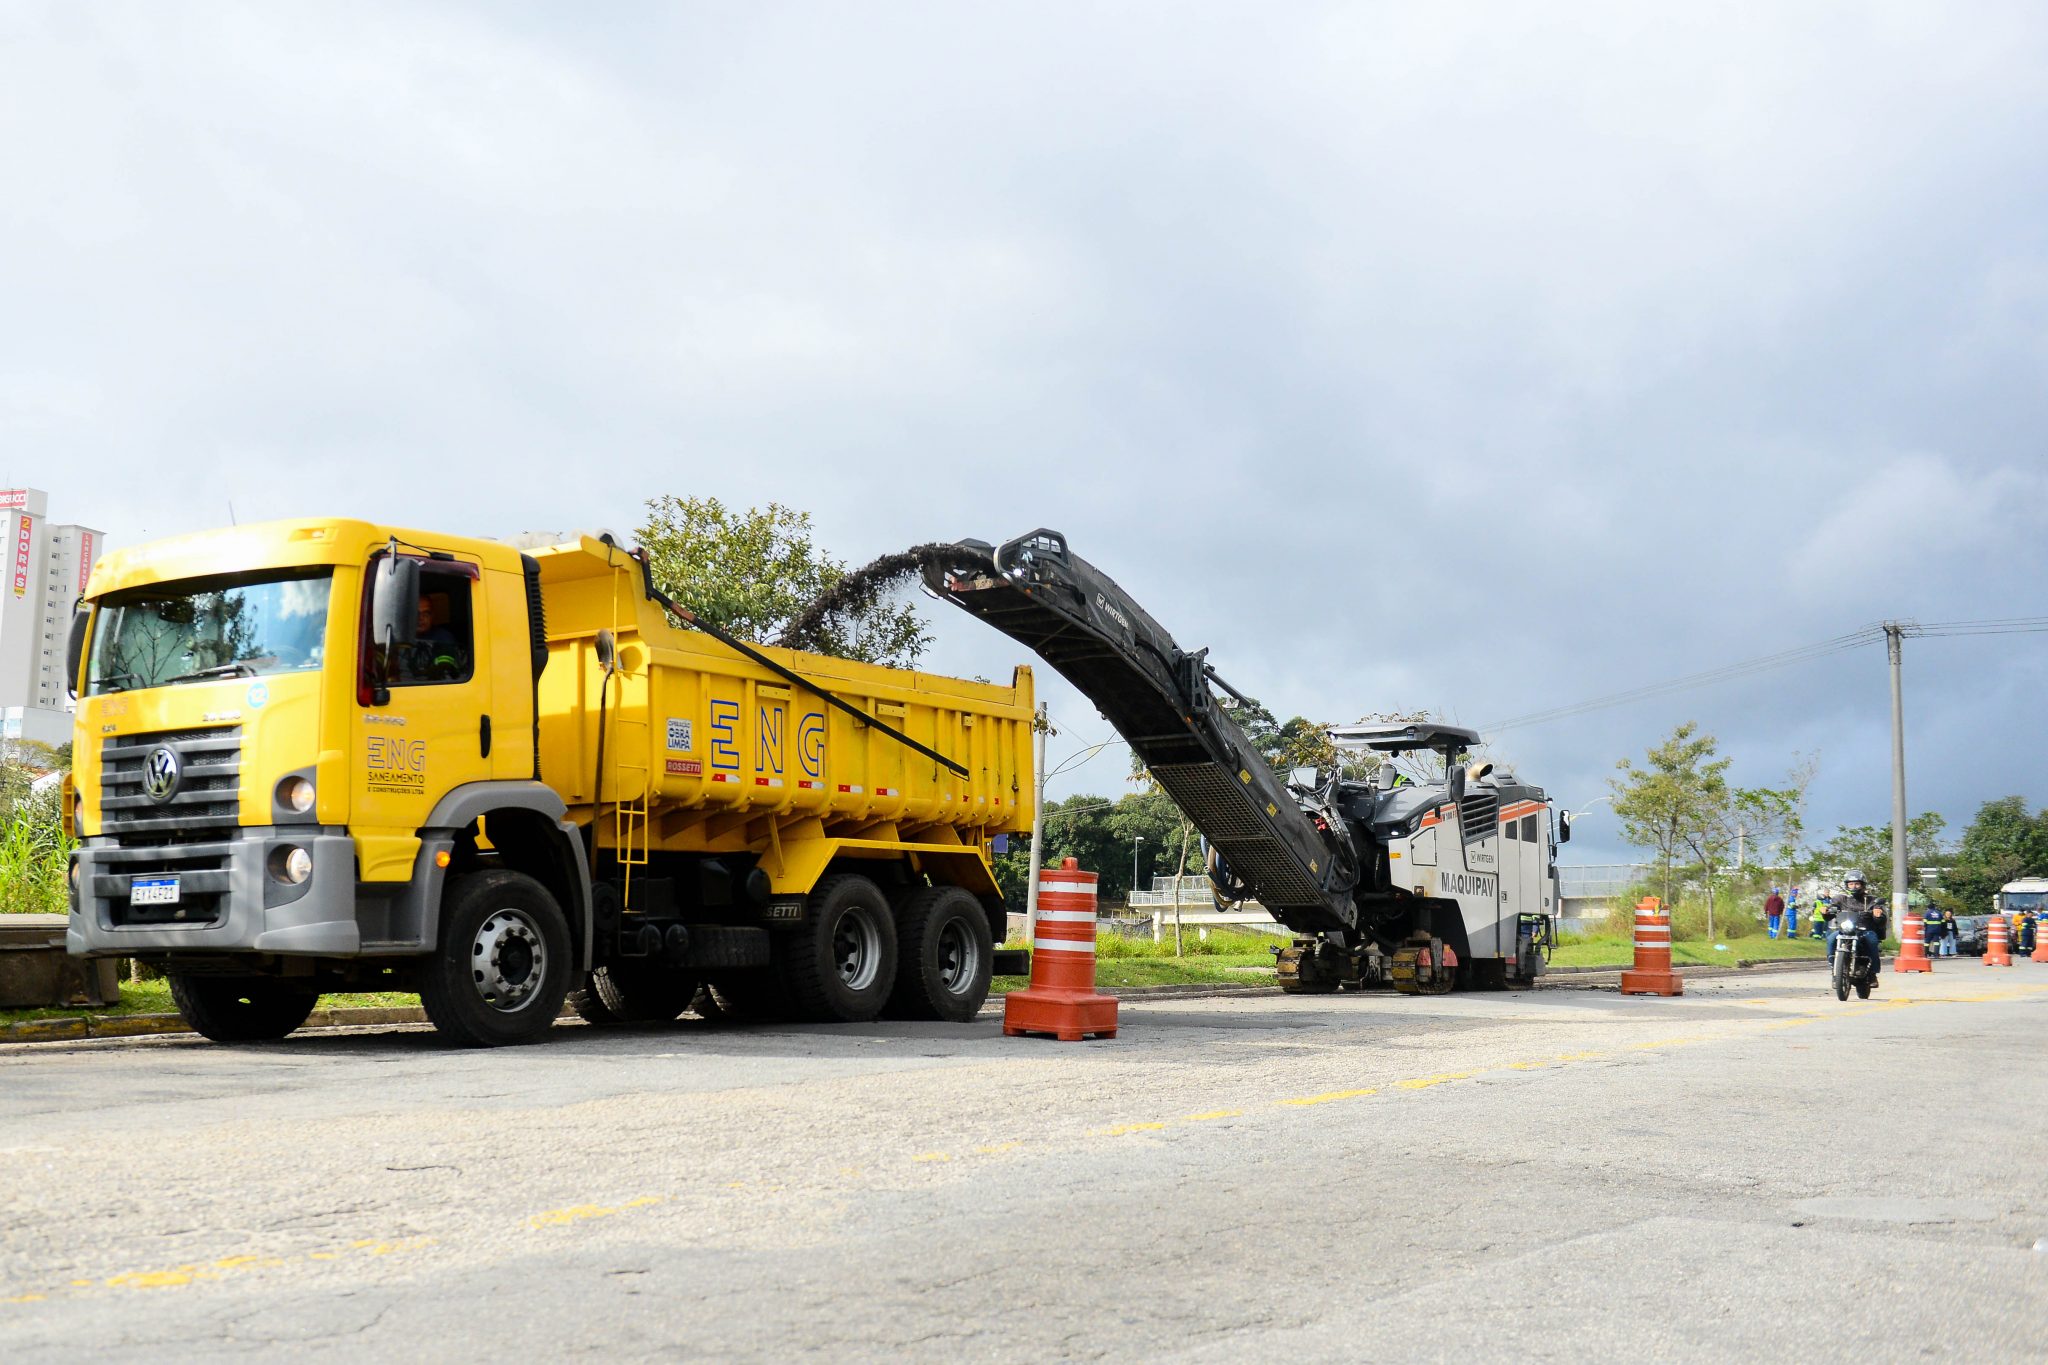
(1754, 1170)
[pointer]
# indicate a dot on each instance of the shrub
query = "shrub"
(35, 859)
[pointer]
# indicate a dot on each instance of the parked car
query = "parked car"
(1971, 932)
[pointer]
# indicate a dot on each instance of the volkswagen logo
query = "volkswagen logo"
(160, 773)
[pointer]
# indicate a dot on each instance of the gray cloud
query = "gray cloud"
(1478, 361)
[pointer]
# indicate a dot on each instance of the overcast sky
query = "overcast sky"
(1480, 359)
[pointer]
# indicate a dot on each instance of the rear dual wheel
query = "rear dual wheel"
(839, 965)
(944, 956)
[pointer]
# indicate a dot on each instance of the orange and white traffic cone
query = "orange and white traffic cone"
(1997, 943)
(1912, 946)
(2040, 953)
(1652, 974)
(1061, 999)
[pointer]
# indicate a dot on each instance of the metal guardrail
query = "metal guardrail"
(1592, 880)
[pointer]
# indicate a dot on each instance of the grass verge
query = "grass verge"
(1602, 950)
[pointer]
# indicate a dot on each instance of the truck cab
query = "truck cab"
(270, 792)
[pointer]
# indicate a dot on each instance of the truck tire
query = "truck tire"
(634, 992)
(839, 965)
(503, 965)
(241, 1009)
(943, 956)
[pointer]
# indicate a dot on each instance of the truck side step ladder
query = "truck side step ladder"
(630, 814)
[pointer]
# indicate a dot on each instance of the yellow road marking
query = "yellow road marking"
(556, 1218)
(1328, 1097)
(181, 1276)
(933, 1156)
(1124, 1128)
(1442, 1077)
(1213, 1114)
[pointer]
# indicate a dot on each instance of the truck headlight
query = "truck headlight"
(290, 864)
(295, 794)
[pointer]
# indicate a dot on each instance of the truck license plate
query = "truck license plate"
(153, 891)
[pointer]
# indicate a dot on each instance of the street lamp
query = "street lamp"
(1136, 839)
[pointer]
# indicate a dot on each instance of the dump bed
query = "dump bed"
(706, 750)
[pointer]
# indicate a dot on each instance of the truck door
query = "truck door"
(1513, 858)
(431, 734)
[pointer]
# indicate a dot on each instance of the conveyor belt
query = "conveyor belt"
(1157, 696)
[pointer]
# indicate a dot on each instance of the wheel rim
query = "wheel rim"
(857, 948)
(508, 960)
(959, 958)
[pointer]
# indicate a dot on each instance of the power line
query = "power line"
(2007, 625)
(2011, 625)
(1726, 673)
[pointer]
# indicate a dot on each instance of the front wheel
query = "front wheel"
(241, 1009)
(1841, 973)
(502, 970)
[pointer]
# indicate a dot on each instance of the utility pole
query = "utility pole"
(1136, 839)
(1894, 636)
(1040, 725)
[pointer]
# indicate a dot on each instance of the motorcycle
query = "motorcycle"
(1852, 967)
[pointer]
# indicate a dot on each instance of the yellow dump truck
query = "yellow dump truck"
(319, 756)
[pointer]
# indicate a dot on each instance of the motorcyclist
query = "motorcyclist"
(1856, 898)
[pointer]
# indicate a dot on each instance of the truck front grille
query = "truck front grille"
(207, 799)
(202, 871)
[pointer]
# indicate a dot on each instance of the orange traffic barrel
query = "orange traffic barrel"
(1912, 945)
(1652, 974)
(2040, 953)
(1062, 1000)
(1997, 943)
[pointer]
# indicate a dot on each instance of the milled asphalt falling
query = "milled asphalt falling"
(1752, 1170)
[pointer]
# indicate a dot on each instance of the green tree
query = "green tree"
(1868, 849)
(2003, 843)
(1097, 833)
(1681, 804)
(1677, 801)
(753, 571)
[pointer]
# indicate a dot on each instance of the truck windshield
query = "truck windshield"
(2028, 901)
(202, 630)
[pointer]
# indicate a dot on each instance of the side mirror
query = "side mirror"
(607, 649)
(1307, 778)
(74, 650)
(1454, 778)
(395, 601)
(1564, 827)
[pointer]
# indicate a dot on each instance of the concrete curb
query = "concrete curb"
(149, 1025)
